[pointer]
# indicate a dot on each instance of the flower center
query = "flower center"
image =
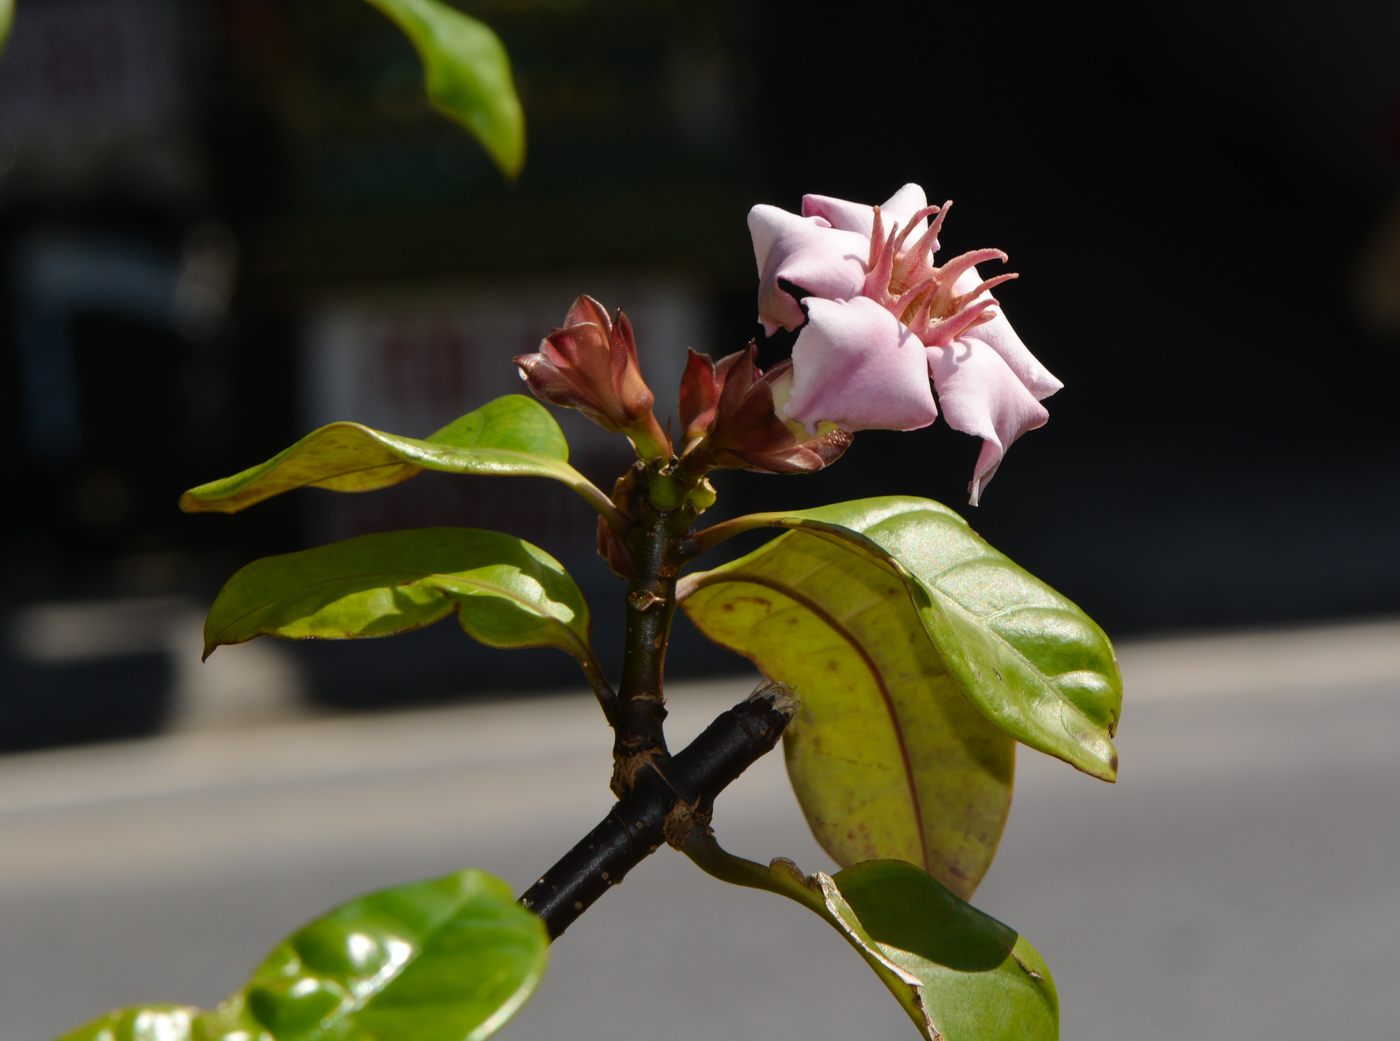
(904, 280)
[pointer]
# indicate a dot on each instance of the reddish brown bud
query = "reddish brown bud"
(700, 390)
(730, 420)
(591, 365)
(699, 396)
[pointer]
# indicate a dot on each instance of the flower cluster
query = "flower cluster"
(878, 319)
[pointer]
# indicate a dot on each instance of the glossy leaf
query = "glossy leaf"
(959, 974)
(467, 73)
(506, 592)
(1033, 662)
(511, 436)
(886, 755)
(143, 1023)
(450, 959)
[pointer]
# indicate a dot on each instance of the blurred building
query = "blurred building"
(224, 222)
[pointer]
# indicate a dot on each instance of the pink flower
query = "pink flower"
(881, 320)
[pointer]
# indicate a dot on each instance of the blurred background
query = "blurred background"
(226, 222)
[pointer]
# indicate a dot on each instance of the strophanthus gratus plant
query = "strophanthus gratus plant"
(903, 657)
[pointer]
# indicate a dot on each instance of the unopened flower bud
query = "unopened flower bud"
(730, 419)
(591, 365)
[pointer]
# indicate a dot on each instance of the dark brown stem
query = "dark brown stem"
(664, 804)
(639, 714)
(660, 798)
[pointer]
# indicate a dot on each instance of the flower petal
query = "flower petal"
(699, 396)
(1000, 337)
(982, 396)
(856, 364)
(823, 261)
(901, 207)
(860, 218)
(586, 309)
(840, 214)
(581, 354)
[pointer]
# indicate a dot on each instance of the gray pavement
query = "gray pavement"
(1241, 881)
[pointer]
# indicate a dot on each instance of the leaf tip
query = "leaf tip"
(510, 160)
(1104, 768)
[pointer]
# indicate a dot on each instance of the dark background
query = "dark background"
(1203, 202)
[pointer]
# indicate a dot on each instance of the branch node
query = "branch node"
(644, 601)
(626, 768)
(670, 804)
(682, 820)
(780, 696)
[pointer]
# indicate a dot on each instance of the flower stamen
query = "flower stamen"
(927, 211)
(991, 283)
(943, 332)
(877, 283)
(951, 271)
(910, 300)
(877, 238)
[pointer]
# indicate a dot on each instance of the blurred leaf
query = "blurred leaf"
(7, 17)
(506, 592)
(513, 435)
(959, 974)
(886, 755)
(1034, 663)
(467, 74)
(144, 1023)
(450, 959)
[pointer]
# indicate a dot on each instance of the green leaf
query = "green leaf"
(145, 1023)
(467, 74)
(959, 974)
(511, 436)
(7, 17)
(450, 959)
(886, 755)
(506, 592)
(1033, 662)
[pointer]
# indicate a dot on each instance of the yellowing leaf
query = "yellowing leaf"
(1032, 661)
(886, 755)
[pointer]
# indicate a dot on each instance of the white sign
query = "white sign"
(410, 363)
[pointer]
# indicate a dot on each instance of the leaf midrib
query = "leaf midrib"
(947, 600)
(537, 460)
(1048, 691)
(558, 466)
(877, 676)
